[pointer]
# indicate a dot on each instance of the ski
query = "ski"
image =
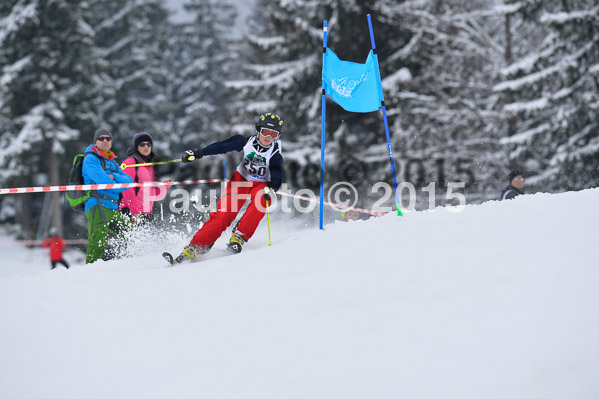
(226, 252)
(169, 258)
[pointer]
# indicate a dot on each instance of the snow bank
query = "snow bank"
(496, 301)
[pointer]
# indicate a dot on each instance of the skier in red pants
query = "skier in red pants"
(258, 176)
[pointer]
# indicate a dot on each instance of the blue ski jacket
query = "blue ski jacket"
(94, 173)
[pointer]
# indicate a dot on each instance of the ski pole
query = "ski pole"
(266, 191)
(268, 223)
(125, 166)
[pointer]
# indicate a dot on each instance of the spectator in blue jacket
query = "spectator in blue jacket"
(105, 224)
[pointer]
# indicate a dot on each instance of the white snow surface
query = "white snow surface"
(497, 301)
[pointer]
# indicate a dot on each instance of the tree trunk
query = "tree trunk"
(54, 180)
(511, 122)
(23, 211)
(508, 40)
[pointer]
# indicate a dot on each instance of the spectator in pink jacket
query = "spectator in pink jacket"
(138, 202)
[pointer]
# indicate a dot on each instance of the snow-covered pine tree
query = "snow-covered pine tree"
(133, 36)
(438, 86)
(554, 92)
(204, 63)
(283, 74)
(49, 93)
(202, 54)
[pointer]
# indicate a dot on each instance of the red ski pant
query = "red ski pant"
(237, 192)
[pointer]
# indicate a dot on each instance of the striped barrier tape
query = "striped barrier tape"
(87, 187)
(338, 207)
(31, 243)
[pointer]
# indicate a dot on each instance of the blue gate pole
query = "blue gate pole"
(382, 98)
(322, 134)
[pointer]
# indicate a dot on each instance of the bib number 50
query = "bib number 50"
(253, 169)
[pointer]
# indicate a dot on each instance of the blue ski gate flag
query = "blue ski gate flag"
(351, 85)
(356, 88)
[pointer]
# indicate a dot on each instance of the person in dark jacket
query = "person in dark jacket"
(56, 245)
(138, 202)
(257, 178)
(106, 225)
(515, 187)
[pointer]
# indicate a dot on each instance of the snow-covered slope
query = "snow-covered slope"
(498, 301)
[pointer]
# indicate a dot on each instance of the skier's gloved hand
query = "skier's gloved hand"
(268, 193)
(188, 156)
(191, 155)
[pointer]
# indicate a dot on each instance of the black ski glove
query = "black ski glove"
(268, 193)
(191, 155)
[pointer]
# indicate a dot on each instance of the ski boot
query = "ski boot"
(191, 253)
(235, 243)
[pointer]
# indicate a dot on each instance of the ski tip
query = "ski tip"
(169, 258)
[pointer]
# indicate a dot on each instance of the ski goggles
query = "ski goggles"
(273, 134)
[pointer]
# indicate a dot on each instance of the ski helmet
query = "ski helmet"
(52, 231)
(269, 121)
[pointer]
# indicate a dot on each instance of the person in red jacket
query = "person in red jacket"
(56, 245)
